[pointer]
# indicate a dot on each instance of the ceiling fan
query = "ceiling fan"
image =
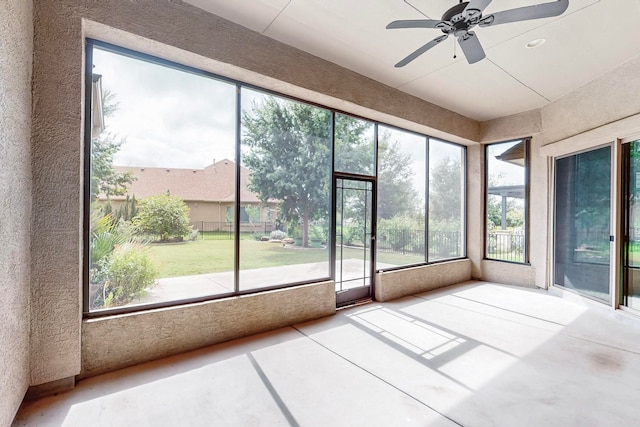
(461, 18)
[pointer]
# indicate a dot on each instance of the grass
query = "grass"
(215, 256)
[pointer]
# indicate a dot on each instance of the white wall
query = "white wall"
(16, 47)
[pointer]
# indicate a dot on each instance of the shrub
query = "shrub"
(402, 233)
(129, 272)
(164, 216)
(277, 235)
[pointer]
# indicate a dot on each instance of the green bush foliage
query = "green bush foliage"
(164, 216)
(129, 272)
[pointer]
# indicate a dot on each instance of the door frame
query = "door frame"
(615, 224)
(365, 292)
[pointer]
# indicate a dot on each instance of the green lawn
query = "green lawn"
(214, 256)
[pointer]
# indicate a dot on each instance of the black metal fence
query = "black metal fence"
(442, 244)
(506, 246)
(225, 230)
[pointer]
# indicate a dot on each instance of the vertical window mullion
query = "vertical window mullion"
(236, 219)
(426, 200)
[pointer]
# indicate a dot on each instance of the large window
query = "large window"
(406, 197)
(200, 187)
(286, 156)
(402, 181)
(162, 179)
(446, 200)
(506, 201)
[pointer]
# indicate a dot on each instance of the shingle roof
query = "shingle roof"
(214, 183)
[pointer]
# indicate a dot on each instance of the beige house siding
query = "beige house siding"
(209, 194)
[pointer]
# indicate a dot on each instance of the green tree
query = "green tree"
(444, 191)
(164, 216)
(396, 192)
(128, 209)
(287, 150)
(104, 178)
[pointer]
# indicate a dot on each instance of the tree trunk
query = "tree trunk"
(305, 229)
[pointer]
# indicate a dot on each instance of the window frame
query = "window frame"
(88, 52)
(527, 174)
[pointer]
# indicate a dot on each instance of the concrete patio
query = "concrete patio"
(476, 354)
(202, 285)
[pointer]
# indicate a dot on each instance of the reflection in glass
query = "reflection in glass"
(582, 222)
(506, 201)
(286, 164)
(446, 200)
(402, 158)
(162, 180)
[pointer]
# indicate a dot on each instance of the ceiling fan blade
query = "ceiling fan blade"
(476, 5)
(421, 50)
(471, 47)
(538, 11)
(414, 23)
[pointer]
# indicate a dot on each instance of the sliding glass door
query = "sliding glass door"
(631, 256)
(582, 237)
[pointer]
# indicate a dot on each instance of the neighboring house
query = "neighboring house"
(209, 194)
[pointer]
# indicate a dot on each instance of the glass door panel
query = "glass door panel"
(354, 238)
(583, 222)
(632, 252)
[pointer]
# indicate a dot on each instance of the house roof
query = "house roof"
(214, 183)
(514, 154)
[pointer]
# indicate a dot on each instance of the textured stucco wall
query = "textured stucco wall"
(538, 215)
(120, 341)
(604, 100)
(174, 31)
(56, 223)
(400, 283)
(475, 208)
(516, 126)
(16, 51)
(508, 273)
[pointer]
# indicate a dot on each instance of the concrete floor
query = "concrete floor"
(476, 354)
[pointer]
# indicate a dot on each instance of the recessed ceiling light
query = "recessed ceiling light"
(535, 43)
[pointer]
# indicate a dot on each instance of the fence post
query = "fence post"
(403, 243)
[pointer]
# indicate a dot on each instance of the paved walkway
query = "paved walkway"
(201, 285)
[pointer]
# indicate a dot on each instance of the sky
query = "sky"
(501, 172)
(169, 118)
(174, 119)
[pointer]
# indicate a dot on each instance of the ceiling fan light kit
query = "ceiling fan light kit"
(461, 18)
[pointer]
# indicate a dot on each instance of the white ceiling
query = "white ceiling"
(591, 38)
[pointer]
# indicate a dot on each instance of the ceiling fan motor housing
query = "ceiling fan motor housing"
(459, 21)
